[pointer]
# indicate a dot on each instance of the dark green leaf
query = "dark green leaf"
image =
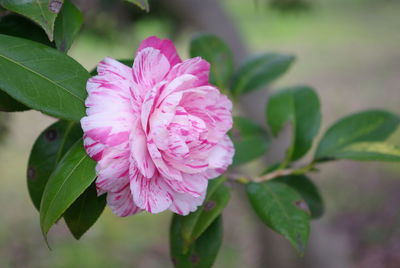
(259, 71)
(282, 209)
(218, 54)
(300, 106)
(143, 4)
(47, 151)
(42, 78)
(43, 12)
(366, 126)
(67, 26)
(203, 252)
(251, 140)
(8, 104)
(369, 151)
(308, 191)
(72, 176)
(19, 26)
(85, 211)
(194, 224)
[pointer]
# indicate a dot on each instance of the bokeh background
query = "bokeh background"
(349, 50)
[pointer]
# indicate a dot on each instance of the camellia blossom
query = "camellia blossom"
(158, 130)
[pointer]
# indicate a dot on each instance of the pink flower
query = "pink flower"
(157, 130)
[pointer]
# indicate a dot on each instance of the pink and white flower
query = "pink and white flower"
(158, 130)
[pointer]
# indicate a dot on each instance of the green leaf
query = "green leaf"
(47, 151)
(203, 252)
(308, 191)
(43, 12)
(8, 104)
(85, 211)
(42, 78)
(251, 141)
(143, 4)
(19, 26)
(366, 126)
(369, 151)
(72, 176)
(214, 50)
(194, 224)
(282, 209)
(260, 71)
(67, 26)
(300, 106)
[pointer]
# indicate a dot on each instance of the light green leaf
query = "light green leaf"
(194, 224)
(203, 252)
(300, 106)
(282, 209)
(67, 25)
(72, 176)
(251, 141)
(260, 71)
(47, 151)
(42, 78)
(143, 4)
(85, 211)
(369, 151)
(43, 12)
(366, 126)
(214, 50)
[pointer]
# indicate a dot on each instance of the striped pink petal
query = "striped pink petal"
(121, 202)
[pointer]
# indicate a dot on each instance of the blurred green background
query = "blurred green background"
(349, 50)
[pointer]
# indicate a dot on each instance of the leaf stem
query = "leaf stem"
(274, 174)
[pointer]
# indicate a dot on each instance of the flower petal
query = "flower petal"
(113, 170)
(221, 157)
(121, 203)
(192, 184)
(152, 195)
(165, 170)
(194, 66)
(109, 109)
(93, 148)
(140, 153)
(149, 68)
(183, 204)
(166, 47)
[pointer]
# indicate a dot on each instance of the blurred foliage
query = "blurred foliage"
(290, 5)
(107, 16)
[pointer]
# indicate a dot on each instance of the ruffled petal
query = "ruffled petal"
(165, 170)
(109, 110)
(152, 195)
(121, 203)
(183, 204)
(194, 66)
(218, 112)
(140, 153)
(221, 157)
(150, 67)
(113, 170)
(165, 46)
(192, 184)
(93, 148)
